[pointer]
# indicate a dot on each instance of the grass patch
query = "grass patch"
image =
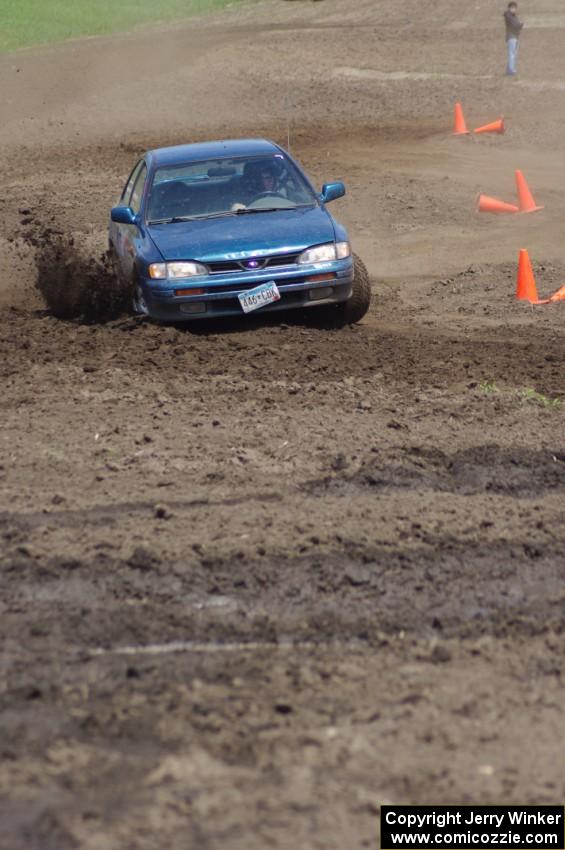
(526, 395)
(533, 397)
(26, 22)
(488, 387)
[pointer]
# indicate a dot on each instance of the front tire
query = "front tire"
(139, 304)
(353, 310)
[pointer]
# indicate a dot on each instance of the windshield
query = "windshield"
(226, 186)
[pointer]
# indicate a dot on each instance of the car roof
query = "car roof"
(180, 154)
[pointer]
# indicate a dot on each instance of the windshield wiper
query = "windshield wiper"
(247, 210)
(177, 218)
(250, 210)
(243, 211)
(207, 215)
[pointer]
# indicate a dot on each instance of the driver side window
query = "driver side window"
(126, 194)
(137, 191)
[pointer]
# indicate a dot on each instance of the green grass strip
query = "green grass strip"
(27, 22)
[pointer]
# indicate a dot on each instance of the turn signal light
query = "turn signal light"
(182, 293)
(318, 278)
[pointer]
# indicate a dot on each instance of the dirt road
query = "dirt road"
(259, 577)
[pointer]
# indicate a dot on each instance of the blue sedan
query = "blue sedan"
(228, 227)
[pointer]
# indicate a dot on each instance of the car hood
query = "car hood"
(239, 236)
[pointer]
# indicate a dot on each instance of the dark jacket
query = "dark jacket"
(513, 24)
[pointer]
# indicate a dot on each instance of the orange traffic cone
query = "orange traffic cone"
(526, 289)
(493, 205)
(525, 197)
(557, 296)
(495, 127)
(460, 127)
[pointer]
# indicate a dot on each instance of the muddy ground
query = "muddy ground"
(260, 577)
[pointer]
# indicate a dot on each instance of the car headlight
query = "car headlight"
(325, 253)
(160, 271)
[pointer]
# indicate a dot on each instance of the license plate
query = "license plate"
(258, 297)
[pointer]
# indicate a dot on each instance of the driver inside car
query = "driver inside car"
(268, 180)
(259, 179)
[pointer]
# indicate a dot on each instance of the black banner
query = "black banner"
(472, 827)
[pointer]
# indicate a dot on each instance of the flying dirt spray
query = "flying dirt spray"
(74, 286)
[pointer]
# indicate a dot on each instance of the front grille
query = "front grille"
(230, 266)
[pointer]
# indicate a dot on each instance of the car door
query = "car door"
(122, 236)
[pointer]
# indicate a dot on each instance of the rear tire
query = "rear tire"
(351, 311)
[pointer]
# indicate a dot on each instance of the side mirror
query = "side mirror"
(331, 191)
(123, 215)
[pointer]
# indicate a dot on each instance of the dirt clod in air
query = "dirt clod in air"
(75, 286)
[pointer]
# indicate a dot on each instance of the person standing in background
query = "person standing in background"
(513, 30)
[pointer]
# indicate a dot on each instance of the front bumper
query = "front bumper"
(299, 286)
